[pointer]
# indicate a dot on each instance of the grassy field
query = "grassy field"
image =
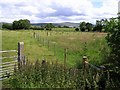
(77, 44)
(50, 45)
(32, 49)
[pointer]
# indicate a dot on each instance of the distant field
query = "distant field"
(78, 44)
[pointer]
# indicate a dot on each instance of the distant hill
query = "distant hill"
(69, 24)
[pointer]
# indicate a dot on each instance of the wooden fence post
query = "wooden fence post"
(43, 41)
(34, 35)
(84, 70)
(65, 56)
(48, 44)
(20, 53)
(84, 62)
(38, 37)
(47, 33)
(54, 50)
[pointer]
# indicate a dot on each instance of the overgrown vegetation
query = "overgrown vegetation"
(55, 75)
(113, 60)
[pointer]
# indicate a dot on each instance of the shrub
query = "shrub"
(76, 29)
(49, 29)
(52, 75)
(7, 26)
(36, 28)
(113, 39)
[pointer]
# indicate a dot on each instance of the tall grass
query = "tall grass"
(56, 75)
(78, 44)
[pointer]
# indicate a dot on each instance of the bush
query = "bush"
(49, 29)
(54, 75)
(76, 29)
(113, 39)
(36, 28)
(7, 26)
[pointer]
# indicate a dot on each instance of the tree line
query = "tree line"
(25, 24)
(83, 26)
(16, 25)
(98, 27)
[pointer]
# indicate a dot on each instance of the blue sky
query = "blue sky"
(97, 3)
(56, 11)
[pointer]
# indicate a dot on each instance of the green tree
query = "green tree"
(89, 26)
(59, 26)
(15, 25)
(113, 39)
(7, 26)
(104, 23)
(49, 26)
(82, 26)
(65, 26)
(21, 24)
(98, 26)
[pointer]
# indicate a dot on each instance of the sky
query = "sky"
(56, 11)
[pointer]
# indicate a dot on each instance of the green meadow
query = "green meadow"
(50, 45)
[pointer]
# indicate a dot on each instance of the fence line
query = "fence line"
(51, 46)
(65, 50)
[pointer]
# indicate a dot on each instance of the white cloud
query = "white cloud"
(57, 10)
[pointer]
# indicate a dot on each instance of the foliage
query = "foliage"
(76, 29)
(21, 24)
(7, 26)
(49, 26)
(36, 28)
(113, 60)
(55, 75)
(113, 39)
(82, 26)
(49, 29)
(59, 26)
(98, 26)
(86, 26)
(65, 26)
(89, 26)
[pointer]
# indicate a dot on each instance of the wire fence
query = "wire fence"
(58, 51)
(64, 54)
